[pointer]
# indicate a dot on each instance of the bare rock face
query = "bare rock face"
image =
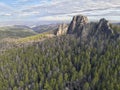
(62, 29)
(80, 26)
(88, 32)
(77, 24)
(104, 27)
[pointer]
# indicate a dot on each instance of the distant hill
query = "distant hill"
(22, 26)
(15, 32)
(45, 28)
(8, 43)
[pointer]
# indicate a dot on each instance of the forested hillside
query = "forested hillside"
(87, 57)
(9, 43)
(61, 64)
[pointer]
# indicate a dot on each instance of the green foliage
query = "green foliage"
(33, 38)
(86, 86)
(116, 28)
(60, 63)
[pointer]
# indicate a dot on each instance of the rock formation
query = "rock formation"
(94, 34)
(77, 24)
(62, 29)
(103, 27)
(80, 26)
(87, 32)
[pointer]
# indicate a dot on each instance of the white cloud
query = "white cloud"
(55, 18)
(7, 14)
(28, 13)
(64, 9)
(69, 6)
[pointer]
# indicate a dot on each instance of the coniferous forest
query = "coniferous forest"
(61, 64)
(65, 62)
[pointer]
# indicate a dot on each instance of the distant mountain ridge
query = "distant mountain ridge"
(45, 28)
(16, 31)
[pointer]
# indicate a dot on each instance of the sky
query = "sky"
(57, 10)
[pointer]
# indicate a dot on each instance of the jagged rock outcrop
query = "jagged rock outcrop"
(93, 31)
(80, 26)
(77, 24)
(103, 28)
(62, 29)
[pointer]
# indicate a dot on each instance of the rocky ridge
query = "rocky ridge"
(77, 24)
(85, 29)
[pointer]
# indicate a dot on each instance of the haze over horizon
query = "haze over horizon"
(57, 10)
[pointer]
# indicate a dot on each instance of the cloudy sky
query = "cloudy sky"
(57, 10)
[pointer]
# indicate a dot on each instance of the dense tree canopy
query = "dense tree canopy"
(61, 63)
